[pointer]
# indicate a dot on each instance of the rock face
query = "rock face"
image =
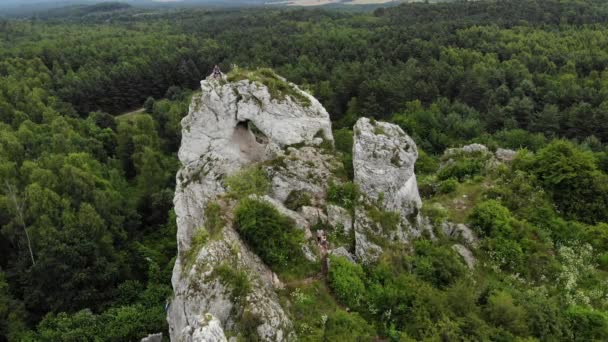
(383, 162)
(230, 125)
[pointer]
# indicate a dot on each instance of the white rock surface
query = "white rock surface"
(365, 250)
(313, 214)
(341, 251)
(459, 231)
(208, 329)
(153, 338)
(505, 155)
(339, 217)
(466, 255)
(383, 162)
(230, 125)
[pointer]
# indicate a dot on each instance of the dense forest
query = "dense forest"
(87, 230)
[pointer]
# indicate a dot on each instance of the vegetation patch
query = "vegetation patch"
(387, 220)
(346, 280)
(236, 280)
(345, 195)
(271, 235)
(199, 239)
(214, 220)
(278, 88)
(297, 199)
(246, 182)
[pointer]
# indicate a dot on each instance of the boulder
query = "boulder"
(505, 155)
(466, 255)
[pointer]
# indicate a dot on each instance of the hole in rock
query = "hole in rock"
(251, 146)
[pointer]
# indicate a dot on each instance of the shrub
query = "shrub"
(249, 181)
(297, 199)
(462, 168)
(346, 280)
(588, 324)
(447, 186)
(236, 280)
(425, 164)
(503, 312)
(437, 264)
(490, 217)
(343, 140)
(343, 326)
(271, 235)
(344, 195)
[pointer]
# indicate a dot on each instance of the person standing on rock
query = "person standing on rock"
(217, 73)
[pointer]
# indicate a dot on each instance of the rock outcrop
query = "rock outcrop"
(383, 161)
(230, 125)
(286, 136)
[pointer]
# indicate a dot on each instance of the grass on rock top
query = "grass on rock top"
(278, 87)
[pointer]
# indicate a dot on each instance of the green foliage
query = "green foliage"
(297, 199)
(346, 280)
(425, 164)
(463, 166)
(271, 236)
(447, 186)
(345, 195)
(236, 280)
(491, 218)
(503, 312)
(588, 324)
(199, 239)
(343, 140)
(343, 326)
(438, 265)
(214, 219)
(571, 175)
(387, 220)
(96, 191)
(249, 181)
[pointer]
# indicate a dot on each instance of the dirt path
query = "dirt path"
(129, 114)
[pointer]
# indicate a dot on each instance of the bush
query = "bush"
(343, 140)
(425, 164)
(343, 326)
(503, 312)
(447, 186)
(271, 235)
(346, 280)
(236, 280)
(297, 199)
(344, 195)
(438, 265)
(588, 324)
(462, 168)
(490, 217)
(249, 181)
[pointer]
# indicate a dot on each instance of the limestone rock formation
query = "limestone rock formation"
(383, 161)
(230, 125)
